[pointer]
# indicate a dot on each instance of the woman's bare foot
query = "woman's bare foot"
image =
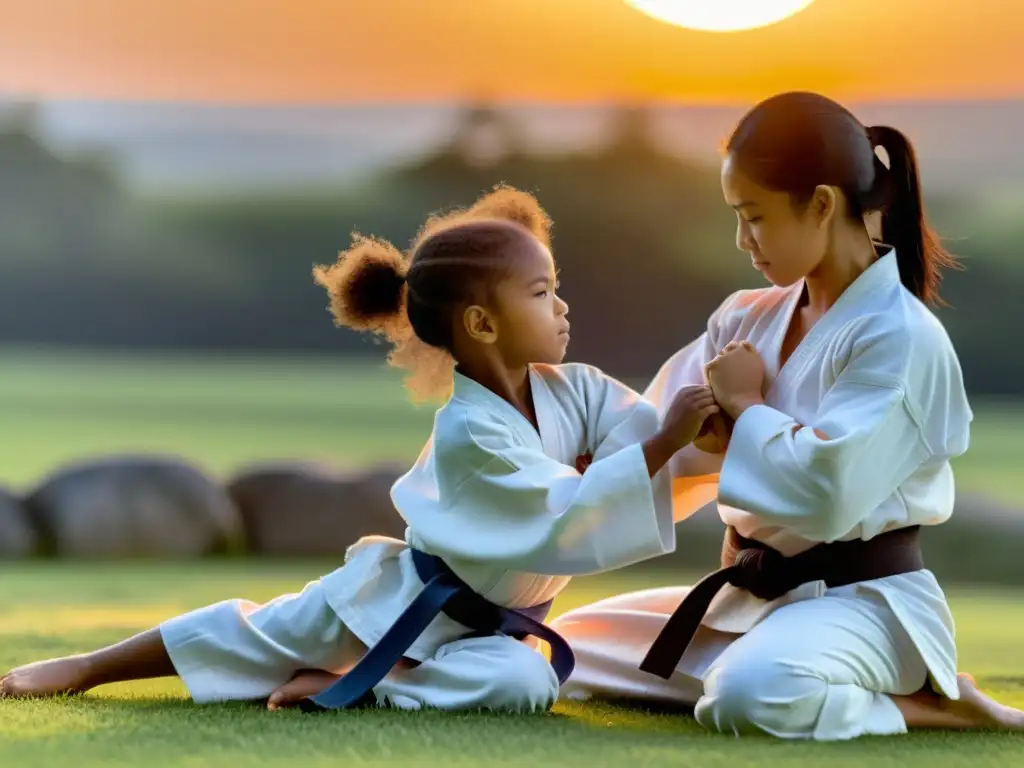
(982, 710)
(303, 685)
(47, 678)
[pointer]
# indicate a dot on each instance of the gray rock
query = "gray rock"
(127, 506)
(18, 537)
(304, 509)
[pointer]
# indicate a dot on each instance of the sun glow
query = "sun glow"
(720, 15)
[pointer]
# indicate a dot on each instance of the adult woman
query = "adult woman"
(848, 404)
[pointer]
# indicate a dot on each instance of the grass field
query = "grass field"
(58, 609)
(224, 412)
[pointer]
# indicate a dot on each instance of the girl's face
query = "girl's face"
(532, 322)
(785, 242)
(524, 319)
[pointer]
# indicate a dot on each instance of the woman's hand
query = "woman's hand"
(736, 377)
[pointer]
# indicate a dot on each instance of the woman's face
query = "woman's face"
(785, 242)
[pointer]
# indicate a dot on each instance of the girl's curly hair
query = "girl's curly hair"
(411, 300)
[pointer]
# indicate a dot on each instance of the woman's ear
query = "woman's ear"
(823, 204)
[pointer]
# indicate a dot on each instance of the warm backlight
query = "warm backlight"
(720, 15)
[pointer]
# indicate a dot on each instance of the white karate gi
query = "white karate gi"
(504, 506)
(878, 375)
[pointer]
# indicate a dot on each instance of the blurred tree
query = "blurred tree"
(644, 244)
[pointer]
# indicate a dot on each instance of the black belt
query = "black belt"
(443, 592)
(767, 574)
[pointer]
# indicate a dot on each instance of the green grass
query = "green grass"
(226, 412)
(64, 608)
(223, 412)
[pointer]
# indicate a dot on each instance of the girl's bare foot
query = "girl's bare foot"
(47, 678)
(982, 710)
(305, 684)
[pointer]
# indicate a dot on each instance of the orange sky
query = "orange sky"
(289, 51)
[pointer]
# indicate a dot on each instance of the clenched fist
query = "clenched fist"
(736, 377)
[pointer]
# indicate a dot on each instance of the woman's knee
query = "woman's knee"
(763, 695)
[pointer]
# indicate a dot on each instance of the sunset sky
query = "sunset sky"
(372, 51)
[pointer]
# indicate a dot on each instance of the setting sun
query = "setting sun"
(173, 51)
(720, 15)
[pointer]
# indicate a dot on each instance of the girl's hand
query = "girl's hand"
(686, 416)
(690, 408)
(714, 434)
(584, 461)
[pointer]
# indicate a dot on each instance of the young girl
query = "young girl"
(498, 517)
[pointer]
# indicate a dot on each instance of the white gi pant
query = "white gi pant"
(812, 669)
(239, 650)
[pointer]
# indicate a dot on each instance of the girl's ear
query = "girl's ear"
(479, 325)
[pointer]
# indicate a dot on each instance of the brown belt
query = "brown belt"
(767, 574)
